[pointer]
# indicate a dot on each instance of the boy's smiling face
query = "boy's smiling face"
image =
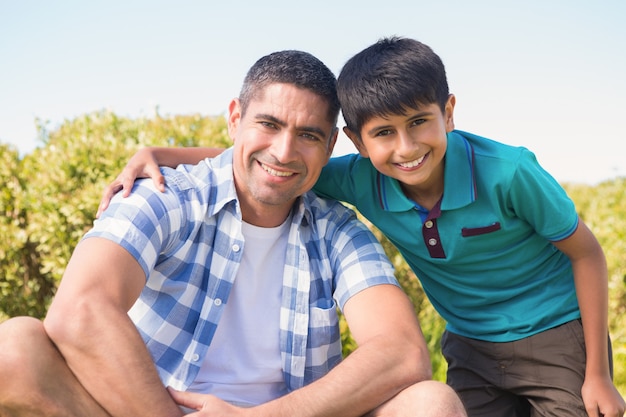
(409, 147)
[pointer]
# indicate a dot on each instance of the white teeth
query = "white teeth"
(276, 173)
(412, 163)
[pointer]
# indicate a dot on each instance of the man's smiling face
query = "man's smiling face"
(282, 141)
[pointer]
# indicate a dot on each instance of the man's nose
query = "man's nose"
(284, 147)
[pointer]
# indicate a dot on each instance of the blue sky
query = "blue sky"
(545, 74)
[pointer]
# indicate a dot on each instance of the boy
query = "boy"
(495, 241)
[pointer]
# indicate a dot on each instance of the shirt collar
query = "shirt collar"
(226, 192)
(220, 181)
(459, 187)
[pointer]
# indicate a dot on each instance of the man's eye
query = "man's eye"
(309, 136)
(269, 125)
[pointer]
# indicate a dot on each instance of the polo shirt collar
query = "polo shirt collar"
(459, 188)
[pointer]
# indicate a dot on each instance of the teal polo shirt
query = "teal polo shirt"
(483, 254)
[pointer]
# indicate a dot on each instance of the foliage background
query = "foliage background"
(49, 197)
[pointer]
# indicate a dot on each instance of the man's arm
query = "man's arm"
(591, 280)
(88, 323)
(391, 355)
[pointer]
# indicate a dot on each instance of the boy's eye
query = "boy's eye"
(384, 132)
(417, 122)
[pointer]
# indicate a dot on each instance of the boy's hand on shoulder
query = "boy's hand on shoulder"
(141, 165)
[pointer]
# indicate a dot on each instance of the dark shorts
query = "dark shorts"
(540, 375)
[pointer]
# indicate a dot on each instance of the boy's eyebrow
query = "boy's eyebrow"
(410, 117)
(310, 129)
(373, 130)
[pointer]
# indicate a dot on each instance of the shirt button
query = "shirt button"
(217, 302)
(195, 357)
(432, 241)
(428, 224)
(236, 248)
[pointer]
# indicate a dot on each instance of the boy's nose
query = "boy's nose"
(406, 143)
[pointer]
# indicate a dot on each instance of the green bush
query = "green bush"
(48, 199)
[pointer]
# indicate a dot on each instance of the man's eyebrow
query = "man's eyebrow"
(270, 118)
(310, 129)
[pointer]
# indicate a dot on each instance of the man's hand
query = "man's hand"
(205, 404)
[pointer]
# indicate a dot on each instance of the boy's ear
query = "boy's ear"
(449, 115)
(356, 141)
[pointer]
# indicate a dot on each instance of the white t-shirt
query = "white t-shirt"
(243, 363)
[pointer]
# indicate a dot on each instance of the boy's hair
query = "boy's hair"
(389, 77)
(291, 67)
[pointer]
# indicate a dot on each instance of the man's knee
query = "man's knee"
(424, 399)
(34, 377)
(25, 354)
(442, 399)
(20, 340)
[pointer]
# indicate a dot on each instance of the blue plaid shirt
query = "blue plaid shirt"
(189, 243)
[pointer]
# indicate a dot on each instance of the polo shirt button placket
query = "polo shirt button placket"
(430, 233)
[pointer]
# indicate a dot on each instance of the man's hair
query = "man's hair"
(291, 67)
(390, 77)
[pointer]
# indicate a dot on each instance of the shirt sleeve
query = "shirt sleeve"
(145, 223)
(357, 258)
(537, 198)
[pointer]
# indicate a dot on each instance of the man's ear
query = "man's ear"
(234, 117)
(449, 113)
(356, 140)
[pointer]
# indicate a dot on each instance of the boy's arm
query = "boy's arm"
(88, 323)
(591, 280)
(145, 163)
(342, 175)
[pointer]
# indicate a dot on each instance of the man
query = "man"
(223, 288)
